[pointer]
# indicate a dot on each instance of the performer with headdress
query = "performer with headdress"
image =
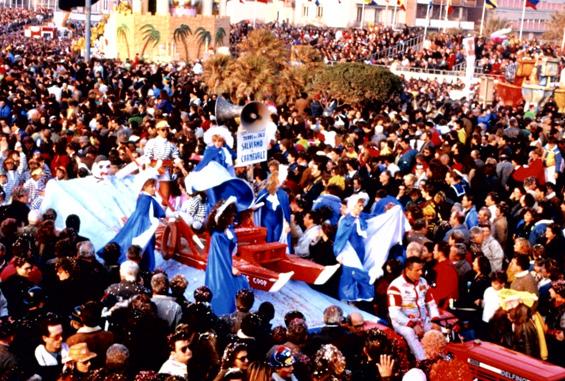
(221, 277)
(349, 249)
(141, 226)
(162, 154)
(274, 214)
(219, 144)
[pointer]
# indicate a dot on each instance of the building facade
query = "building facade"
(535, 21)
(356, 13)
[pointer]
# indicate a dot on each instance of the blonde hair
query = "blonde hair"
(259, 371)
(273, 182)
(434, 344)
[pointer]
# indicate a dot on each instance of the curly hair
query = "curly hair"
(434, 344)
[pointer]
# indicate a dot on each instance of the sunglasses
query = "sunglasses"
(242, 358)
(185, 349)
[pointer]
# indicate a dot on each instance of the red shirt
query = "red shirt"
(446, 285)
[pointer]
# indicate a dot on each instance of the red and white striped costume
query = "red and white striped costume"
(411, 304)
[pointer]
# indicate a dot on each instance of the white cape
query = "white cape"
(102, 205)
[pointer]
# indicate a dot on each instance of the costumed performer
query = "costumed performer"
(219, 144)
(141, 226)
(221, 277)
(349, 249)
(162, 154)
(274, 214)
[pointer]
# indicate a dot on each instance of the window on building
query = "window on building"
(359, 14)
(319, 11)
(305, 11)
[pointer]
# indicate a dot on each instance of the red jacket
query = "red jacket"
(534, 168)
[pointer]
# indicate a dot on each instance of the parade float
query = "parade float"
(265, 264)
(541, 83)
(559, 94)
(167, 34)
(529, 81)
(509, 90)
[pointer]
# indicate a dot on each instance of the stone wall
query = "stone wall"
(167, 49)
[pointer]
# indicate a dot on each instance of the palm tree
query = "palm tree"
(122, 32)
(219, 37)
(151, 36)
(305, 55)
(554, 31)
(204, 37)
(215, 70)
(181, 34)
(264, 43)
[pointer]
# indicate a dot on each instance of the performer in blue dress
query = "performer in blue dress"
(141, 225)
(275, 212)
(221, 277)
(349, 249)
(219, 143)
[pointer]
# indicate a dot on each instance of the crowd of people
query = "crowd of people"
(12, 19)
(481, 186)
(404, 47)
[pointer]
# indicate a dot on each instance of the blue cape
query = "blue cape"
(138, 223)
(219, 277)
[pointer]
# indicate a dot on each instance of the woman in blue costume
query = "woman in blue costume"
(275, 212)
(219, 143)
(221, 277)
(349, 249)
(141, 225)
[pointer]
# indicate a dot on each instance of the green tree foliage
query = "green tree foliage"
(263, 71)
(356, 83)
(216, 70)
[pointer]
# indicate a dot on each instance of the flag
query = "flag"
(532, 4)
(491, 4)
(369, 2)
(400, 4)
(450, 8)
